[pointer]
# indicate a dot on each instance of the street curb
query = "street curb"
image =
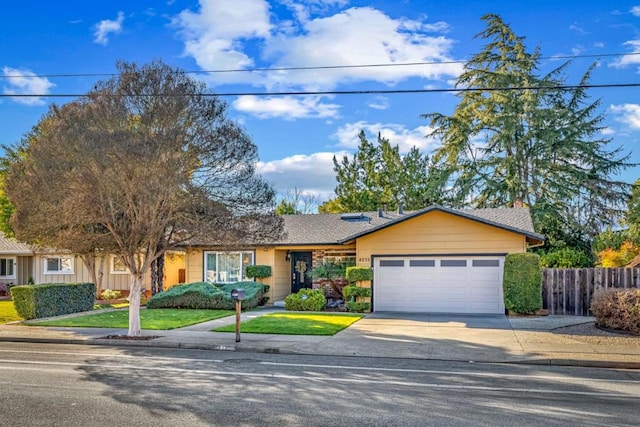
(538, 360)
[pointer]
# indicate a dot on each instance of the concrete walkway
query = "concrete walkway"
(491, 338)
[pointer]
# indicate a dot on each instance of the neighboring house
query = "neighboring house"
(19, 263)
(634, 263)
(55, 267)
(432, 260)
(16, 261)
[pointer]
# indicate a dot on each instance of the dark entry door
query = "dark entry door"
(301, 271)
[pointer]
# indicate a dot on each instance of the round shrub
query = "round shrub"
(306, 300)
(617, 309)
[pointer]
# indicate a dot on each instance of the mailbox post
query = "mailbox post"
(238, 296)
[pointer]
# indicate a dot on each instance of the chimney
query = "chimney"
(400, 210)
(380, 212)
(518, 203)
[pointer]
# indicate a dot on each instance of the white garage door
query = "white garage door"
(438, 284)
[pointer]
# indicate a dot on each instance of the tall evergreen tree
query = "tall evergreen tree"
(378, 175)
(517, 135)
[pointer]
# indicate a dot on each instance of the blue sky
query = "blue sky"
(297, 136)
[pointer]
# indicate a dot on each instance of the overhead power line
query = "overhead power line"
(340, 92)
(317, 67)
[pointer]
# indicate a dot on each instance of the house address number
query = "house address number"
(364, 259)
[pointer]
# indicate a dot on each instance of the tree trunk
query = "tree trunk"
(134, 304)
(160, 267)
(154, 276)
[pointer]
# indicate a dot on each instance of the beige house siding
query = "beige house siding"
(25, 268)
(114, 281)
(438, 233)
(21, 268)
(173, 263)
(281, 276)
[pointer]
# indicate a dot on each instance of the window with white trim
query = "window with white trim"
(59, 264)
(226, 267)
(117, 266)
(8, 267)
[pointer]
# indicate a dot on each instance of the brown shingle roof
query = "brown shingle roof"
(333, 229)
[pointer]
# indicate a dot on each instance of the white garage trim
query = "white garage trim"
(467, 283)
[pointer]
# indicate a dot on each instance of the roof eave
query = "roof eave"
(432, 208)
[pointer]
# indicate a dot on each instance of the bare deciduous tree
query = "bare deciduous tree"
(142, 164)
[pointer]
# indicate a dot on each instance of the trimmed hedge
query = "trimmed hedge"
(522, 283)
(306, 300)
(352, 291)
(358, 307)
(617, 309)
(258, 271)
(205, 295)
(52, 299)
(359, 274)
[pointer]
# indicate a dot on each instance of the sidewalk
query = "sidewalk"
(495, 339)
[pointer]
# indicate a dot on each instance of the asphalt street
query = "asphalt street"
(74, 385)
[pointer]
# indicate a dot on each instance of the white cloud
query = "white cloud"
(106, 27)
(578, 29)
(607, 131)
(303, 11)
(405, 139)
(359, 36)
(215, 35)
(635, 11)
(628, 114)
(311, 173)
(633, 59)
(286, 107)
(225, 35)
(25, 82)
(379, 103)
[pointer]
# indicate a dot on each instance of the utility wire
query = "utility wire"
(337, 92)
(319, 67)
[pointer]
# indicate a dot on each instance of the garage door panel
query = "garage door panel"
(439, 284)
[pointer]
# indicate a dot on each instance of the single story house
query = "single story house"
(432, 260)
(21, 264)
(16, 262)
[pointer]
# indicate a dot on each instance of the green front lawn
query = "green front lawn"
(295, 324)
(157, 319)
(8, 312)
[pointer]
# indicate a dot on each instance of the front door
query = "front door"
(301, 271)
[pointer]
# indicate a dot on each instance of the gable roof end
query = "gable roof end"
(517, 220)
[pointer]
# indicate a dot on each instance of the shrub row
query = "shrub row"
(205, 295)
(617, 309)
(52, 299)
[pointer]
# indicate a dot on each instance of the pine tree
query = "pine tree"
(517, 135)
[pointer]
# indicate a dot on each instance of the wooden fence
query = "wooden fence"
(569, 290)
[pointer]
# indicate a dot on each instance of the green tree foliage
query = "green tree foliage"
(567, 257)
(138, 166)
(632, 216)
(377, 175)
(519, 135)
(285, 208)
